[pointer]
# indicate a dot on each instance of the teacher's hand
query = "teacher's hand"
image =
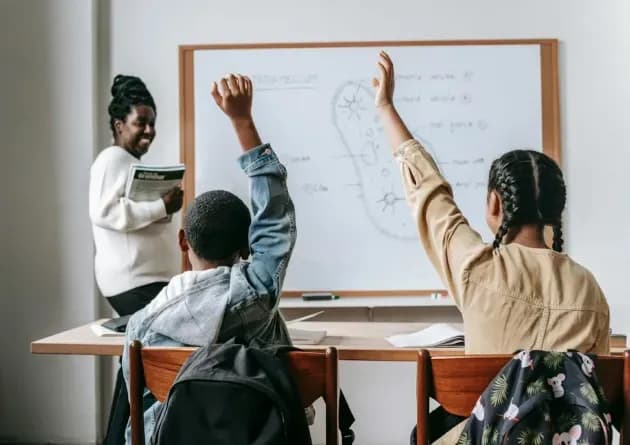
(173, 199)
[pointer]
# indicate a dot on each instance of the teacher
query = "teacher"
(130, 237)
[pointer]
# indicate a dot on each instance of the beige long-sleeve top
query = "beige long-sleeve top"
(513, 297)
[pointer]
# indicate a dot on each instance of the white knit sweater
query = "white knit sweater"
(131, 248)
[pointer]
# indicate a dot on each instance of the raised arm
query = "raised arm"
(445, 234)
(273, 231)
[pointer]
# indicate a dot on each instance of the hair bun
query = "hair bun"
(124, 85)
(127, 92)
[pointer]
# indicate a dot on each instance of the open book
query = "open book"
(439, 335)
(150, 182)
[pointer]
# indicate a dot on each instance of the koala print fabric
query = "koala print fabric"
(542, 398)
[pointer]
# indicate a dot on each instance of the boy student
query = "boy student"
(223, 297)
(516, 293)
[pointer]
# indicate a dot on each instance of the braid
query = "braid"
(505, 183)
(552, 196)
(127, 91)
(500, 234)
(532, 191)
(557, 237)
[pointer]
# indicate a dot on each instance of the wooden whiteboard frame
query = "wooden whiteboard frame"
(549, 94)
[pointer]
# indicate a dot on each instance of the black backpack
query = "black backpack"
(233, 394)
(542, 398)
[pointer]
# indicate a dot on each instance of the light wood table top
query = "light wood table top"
(353, 340)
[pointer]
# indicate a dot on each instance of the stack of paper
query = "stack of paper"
(439, 335)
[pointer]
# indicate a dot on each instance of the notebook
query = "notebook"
(440, 335)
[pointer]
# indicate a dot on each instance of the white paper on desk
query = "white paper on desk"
(439, 335)
(306, 336)
(102, 331)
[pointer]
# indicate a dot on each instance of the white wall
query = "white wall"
(47, 130)
(47, 80)
(594, 73)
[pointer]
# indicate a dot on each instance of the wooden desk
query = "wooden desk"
(78, 341)
(353, 340)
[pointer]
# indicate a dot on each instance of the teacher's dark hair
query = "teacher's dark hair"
(127, 92)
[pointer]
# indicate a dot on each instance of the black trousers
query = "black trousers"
(126, 303)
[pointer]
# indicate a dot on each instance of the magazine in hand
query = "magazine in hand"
(150, 182)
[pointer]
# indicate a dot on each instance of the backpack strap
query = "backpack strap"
(346, 419)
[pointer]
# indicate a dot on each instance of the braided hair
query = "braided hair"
(532, 191)
(127, 92)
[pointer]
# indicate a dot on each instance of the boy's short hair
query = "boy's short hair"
(217, 225)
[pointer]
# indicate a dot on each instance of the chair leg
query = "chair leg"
(136, 387)
(625, 423)
(332, 398)
(422, 396)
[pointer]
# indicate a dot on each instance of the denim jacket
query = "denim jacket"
(211, 306)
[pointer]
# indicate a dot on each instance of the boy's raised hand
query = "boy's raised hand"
(384, 85)
(233, 94)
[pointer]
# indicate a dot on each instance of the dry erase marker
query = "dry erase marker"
(319, 296)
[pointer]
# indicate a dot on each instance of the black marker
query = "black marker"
(319, 296)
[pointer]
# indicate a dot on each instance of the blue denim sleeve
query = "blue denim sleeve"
(272, 232)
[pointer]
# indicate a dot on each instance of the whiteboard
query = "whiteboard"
(467, 104)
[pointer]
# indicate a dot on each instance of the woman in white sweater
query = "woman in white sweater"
(131, 263)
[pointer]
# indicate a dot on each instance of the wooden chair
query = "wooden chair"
(315, 373)
(456, 382)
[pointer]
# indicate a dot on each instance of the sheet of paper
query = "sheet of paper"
(437, 335)
(306, 337)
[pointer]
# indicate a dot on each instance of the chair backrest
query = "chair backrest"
(456, 382)
(315, 374)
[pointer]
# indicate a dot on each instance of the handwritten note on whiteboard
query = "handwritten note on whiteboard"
(467, 104)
